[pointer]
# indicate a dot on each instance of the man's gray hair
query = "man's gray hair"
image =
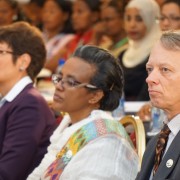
(171, 40)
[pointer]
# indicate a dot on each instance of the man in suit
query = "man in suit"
(163, 69)
(26, 121)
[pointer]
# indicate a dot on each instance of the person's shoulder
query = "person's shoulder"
(110, 126)
(120, 57)
(30, 96)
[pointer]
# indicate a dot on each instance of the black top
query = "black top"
(135, 87)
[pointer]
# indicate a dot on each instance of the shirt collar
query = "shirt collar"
(174, 124)
(17, 88)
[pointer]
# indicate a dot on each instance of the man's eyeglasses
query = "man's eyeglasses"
(170, 18)
(70, 82)
(2, 52)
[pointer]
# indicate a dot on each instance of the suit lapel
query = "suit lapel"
(148, 159)
(170, 158)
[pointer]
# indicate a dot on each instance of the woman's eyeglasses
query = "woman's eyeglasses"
(2, 52)
(170, 18)
(70, 82)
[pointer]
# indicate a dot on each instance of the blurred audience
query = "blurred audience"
(142, 31)
(32, 11)
(26, 121)
(89, 143)
(85, 15)
(10, 12)
(113, 27)
(56, 25)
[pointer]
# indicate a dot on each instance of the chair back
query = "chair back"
(139, 131)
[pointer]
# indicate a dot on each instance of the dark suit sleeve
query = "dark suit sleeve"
(24, 130)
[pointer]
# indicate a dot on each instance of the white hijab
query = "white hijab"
(139, 50)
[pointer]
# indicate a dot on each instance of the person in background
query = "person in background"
(160, 2)
(85, 14)
(142, 31)
(112, 19)
(57, 28)
(10, 12)
(32, 10)
(170, 15)
(89, 143)
(169, 20)
(164, 90)
(26, 122)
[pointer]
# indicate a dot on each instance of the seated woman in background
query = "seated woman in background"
(142, 31)
(113, 27)
(85, 13)
(10, 12)
(170, 15)
(89, 143)
(57, 29)
(26, 122)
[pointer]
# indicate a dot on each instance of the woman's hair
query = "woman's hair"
(171, 1)
(94, 5)
(66, 7)
(108, 75)
(23, 38)
(119, 6)
(171, 40)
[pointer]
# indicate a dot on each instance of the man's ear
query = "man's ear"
(24, 61)
(97, 96)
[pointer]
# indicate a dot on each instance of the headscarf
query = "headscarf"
(139, 50)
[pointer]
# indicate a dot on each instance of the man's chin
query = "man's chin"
(155, 103)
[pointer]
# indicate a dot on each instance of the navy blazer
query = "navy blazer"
(164, 172)
(26, 124)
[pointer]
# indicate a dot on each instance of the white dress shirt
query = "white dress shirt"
(174, 126)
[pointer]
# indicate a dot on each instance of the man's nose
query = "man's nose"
(152, 77)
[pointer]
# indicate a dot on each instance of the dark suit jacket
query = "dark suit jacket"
(163, 172)
(26, 124)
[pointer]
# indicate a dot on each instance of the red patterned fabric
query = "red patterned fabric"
(78, 40)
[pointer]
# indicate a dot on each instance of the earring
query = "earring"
(21, 69)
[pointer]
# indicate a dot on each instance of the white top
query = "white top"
(174, 126)
(91, 162)
(17, 88)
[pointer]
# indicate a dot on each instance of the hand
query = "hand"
(145, 112)
(98, 33)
